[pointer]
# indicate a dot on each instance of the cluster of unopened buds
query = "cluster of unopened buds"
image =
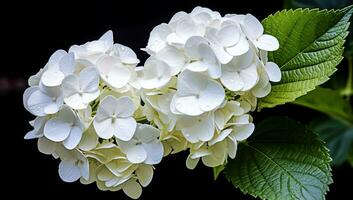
(110, 121)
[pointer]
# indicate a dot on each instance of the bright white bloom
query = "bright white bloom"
(73, 165)
(38, 127)
(240, 74)
(80, 90)
(196, 94)
(155, 74)
(195, 129)
(59, 65)
(64, 127)
(114, 73)
(255, 33)
(227, 42)
(144, 147)
(114, 118)
(202, 57)
(109, 121)
(41, 101)
(93, 50)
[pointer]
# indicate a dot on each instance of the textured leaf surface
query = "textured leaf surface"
(329, 102)
(282, 160)
(311, 46)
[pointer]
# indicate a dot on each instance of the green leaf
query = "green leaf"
(325, 4)
(338, 138)
(329, 102)
(217, 171)
(282, 160)
(311, 46)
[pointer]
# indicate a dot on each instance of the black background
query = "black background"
(32, 31)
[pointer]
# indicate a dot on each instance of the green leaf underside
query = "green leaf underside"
(311, 46)
(329, 102)
(338, 138)
(282, 160)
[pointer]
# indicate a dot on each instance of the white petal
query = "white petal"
(125, 128)
(218, 49)
(132, 189)
(188, 105)
(134, 153)
(154, 152)
(27, 93)
(107, 39)
(68, 171)
(202, 128)
(104, 128)
(144, 174)
(233, 146)
(70, 85)
(46, 146)
(232, 81)
(37, 102)
(243, 132)
(267, 43)
(118, 77)
(158, 37)
(192, 47)
(221, 136)
(147, 133)
(173, 57)
(75, 102)
(262, 92)
(190, 83)
(273, 72)
(89, 140)
(212, 96)
(89, 79)
(210, 61)
(126, 107)
(249, 77)
(56, 57)
(126, 54)
(191, 163)
(106, 108)
(74, 138)
(228, 35)
(240, 48)
(67, 64)
(253, 27)
(57, 130)
(52, 77)
(197, 66)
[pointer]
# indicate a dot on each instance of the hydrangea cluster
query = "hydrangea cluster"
(110, 121)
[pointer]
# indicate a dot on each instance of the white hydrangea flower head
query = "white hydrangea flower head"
(110, 121)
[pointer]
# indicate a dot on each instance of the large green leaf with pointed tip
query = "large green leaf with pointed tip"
(281, 160)
(311, 46)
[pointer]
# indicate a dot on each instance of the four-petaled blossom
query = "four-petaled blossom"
(255, 33)
(80, 90)
(144, 147)
(41, 100)
(196, 94)
(65, 127)
(114, 118)
(73, 165)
